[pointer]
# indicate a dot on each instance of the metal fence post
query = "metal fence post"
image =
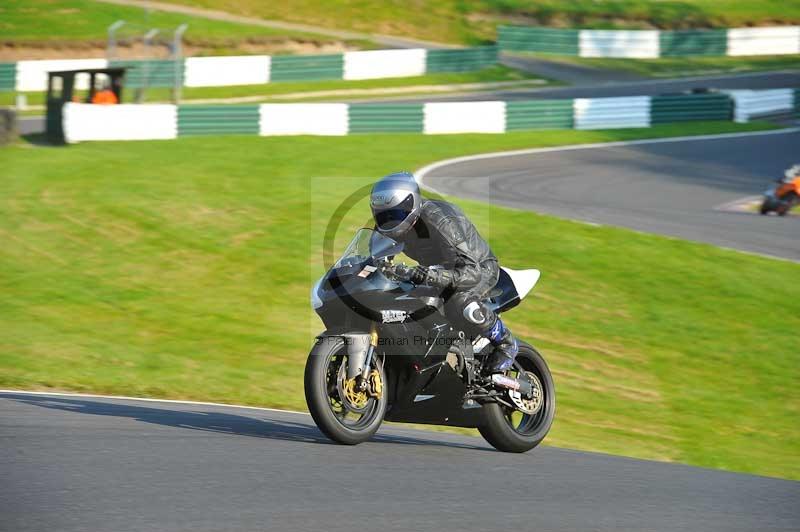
(148, 43)
(111, 46)
(177, 55)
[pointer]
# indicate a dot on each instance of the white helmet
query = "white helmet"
(792, 172)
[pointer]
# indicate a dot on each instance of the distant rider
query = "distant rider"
(452, 257)
(791, 173)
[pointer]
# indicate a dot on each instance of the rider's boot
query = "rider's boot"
(506, 348)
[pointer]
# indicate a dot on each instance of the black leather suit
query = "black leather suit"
(444, 236)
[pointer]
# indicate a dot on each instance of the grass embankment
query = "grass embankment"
(62, 22)
(684, 66)
(280, 91)
(182, 268)
(473, 21)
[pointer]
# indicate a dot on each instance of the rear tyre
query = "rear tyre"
(787, 202)
(511, 431)
(332, 413)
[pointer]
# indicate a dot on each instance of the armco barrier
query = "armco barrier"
(651, 43)
(152, 73)
(684, 108)
(307, 67)
(534, 39)
(610, 43)
(383, 118)
(118, 122)
(752, 104)
(607, 113)
(374, 64)
(218, 119)
(457, 60)
(693, 42)
(8, 76)
(764, 41)
(32, 75)
(539, 114)
(303, 119)
(464, 117)
(257, 69)
(226, 71)
(797, 103)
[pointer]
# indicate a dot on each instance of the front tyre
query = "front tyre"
(337, 406)
(512, 431)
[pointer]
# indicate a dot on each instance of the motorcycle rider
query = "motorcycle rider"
(790, 174)
(452, 257)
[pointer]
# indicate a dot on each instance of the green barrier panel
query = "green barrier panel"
(377, 118)
(688, 107)
(8, 77)
(218, 119)
(797, 102)
(539, 114)
(306, 67)
(693, 42)
(150, 73)
(464, 60)
(556, 41)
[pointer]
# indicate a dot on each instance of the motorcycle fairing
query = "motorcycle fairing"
(511, 287)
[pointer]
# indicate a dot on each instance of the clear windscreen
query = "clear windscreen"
(368, 244)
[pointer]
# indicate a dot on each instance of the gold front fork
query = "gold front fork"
(374, 376)
(373, 334)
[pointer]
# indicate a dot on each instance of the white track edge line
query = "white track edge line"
(425, 170)
(422, 172)
(148, 399)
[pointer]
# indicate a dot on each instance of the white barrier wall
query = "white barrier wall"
(32, 75)
(612, 43)
(374, 64)
(303, 119)
(604, 113)
(465, 117)
(119, 122)
(224, 71)
(764, 41)
(149, 121)
(752, 103)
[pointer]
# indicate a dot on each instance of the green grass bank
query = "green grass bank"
(62, 23)
(181, 269)
(474, 21)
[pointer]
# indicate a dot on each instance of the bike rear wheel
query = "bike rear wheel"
(510, 430)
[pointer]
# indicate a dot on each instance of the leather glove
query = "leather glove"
(416, 274)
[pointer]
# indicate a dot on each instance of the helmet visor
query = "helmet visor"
(389, 218)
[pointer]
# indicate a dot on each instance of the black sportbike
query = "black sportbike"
(390, 353)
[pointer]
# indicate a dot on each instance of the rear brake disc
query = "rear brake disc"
(529, 404)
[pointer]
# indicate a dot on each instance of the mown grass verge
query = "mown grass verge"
(497, 73)
(181, 269)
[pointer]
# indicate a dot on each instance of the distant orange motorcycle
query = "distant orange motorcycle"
(783, 197)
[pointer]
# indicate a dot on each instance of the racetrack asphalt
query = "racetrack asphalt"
(606, 89)
(665, 186)
(102, 464)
